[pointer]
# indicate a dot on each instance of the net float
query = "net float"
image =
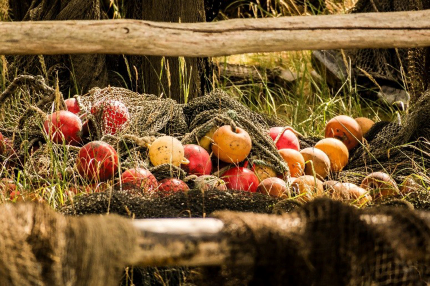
(231, 144)
(167, 150)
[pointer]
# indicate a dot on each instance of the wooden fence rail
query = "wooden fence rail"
(367, 30)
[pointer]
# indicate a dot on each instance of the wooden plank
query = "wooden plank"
(367, 30)
(209, 241)
(191, 242)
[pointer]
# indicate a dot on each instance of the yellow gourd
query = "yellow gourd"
(167, 150)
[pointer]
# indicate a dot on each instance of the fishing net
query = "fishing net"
(23, 97)
(194, 203)
(399, 149)
(218, 109)
(24, 105)
(374, 246)
(28, 100)
(398, 69)
(41, 247)
(149, 114)
(326, 243)
(39, 166)
(394, 65)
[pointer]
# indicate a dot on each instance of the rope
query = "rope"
(41, 247)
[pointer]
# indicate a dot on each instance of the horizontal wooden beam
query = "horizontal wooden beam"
(367, 30)
(183, 242)
(210, 242)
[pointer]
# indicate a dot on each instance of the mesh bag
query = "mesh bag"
(149, 115)
(217, 109)
(147, 118)
(41, 166)
(398, 149)
(23, 107)
(396, 66)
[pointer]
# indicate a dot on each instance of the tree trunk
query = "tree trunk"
(79, 73)
(19, 8)
(176, 78)
(262, 8)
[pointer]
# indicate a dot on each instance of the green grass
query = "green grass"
(306, 105)
(4, 10)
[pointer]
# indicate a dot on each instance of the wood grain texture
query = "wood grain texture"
(367, 30)
(165, 78)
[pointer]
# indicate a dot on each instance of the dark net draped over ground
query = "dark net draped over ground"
(401, 149)
(328, 243)
(373, 246)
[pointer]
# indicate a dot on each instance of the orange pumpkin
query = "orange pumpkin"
(231, 146)
(316, 162)
(295, 161)
(307, 187)
(347, 192)
(365, 124)
(380, 184)
(263, 172)
(336, 152)
(346, 129)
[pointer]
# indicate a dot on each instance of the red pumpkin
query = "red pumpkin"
(97, 161)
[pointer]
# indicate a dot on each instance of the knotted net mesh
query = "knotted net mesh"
(382, 254)
(148, 118)
(326, 243)
(42, 247)
(374, 246)
(403, 68)
(399, 149)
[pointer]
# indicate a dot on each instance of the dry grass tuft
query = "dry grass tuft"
(4, 10)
